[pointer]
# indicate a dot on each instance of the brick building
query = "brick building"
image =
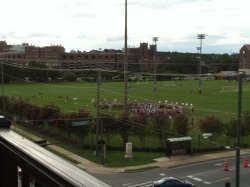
(3, 46)
(244, 64)
(54, 56)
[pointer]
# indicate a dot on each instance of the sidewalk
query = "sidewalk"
(163, 162)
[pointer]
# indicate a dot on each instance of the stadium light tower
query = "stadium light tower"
(155, 39)
(200, 37)
(125, 64)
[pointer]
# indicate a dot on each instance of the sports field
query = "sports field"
(219, 97)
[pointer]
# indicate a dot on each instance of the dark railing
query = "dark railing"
(36, 163)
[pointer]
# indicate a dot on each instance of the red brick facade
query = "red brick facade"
(55, 56)
(244, 64)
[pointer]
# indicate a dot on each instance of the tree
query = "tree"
(54, 75)
(49, 112)
(161, 124)
(123, 127)
(37, 72)
(109, 126)
(231, 128)
(14, 74)
(226, 62)
(80, 131)
(211, 124)
(180, 63)
(140, 126)
(180, 124)
(70, 76)
(246, 122)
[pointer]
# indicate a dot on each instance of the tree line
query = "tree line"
(140, 125)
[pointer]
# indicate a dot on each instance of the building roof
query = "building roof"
(226, 73)
(246, 46)
(180, 139)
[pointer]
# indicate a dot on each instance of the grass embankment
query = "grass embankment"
(112, 158)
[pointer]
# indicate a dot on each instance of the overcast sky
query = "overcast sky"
(93, 24)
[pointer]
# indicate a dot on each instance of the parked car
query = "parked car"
(172, 182)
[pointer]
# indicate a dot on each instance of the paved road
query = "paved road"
(205, 174)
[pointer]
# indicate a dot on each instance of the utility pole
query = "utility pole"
(102, 141)
(241, 75)
(200, 36)
(98, 111)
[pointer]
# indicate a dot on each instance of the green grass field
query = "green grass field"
(211, 102)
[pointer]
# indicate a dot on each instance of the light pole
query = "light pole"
(155, 39)
(241, 75)
(125, 64)
(198, 62)
(200, 36)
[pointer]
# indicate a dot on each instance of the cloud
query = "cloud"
(82, 36)
(43, 35)
(163, 4)
(90, 24)
(114, 39)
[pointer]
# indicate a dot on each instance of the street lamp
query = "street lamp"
(155, 39)
(208, 135)
(200, 36)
